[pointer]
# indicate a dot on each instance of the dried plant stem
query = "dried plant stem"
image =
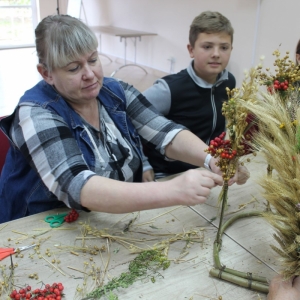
(77, 270)
(269, 170)
(3, 227)
(112, 237)
(107, 262)
(121, 219)
(248, 280)
(50, 263)
(143, 224)
(14, 231)
(224, 201)
(167, 212)
(269, 173)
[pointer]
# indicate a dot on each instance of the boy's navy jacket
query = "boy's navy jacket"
(193, 103)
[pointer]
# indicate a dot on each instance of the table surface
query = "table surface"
(64, 254)
(122, 32)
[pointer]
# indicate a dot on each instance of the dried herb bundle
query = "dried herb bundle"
(146, 265)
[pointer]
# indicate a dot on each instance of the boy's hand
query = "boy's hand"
(148, 175)
(241, 176)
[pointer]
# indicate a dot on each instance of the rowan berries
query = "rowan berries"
(53, 292)
(72, 216)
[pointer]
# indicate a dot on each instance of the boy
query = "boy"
(194, 96)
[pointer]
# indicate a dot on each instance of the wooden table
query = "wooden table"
(124, 34)
(62, 257)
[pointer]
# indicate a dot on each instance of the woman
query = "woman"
(76, 137)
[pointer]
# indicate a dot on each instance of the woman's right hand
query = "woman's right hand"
(193, 186)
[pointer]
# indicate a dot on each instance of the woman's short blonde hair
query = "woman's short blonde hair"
(61, 39)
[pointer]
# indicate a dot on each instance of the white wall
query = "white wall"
(260, 26)
(49, 7)
(279, 28)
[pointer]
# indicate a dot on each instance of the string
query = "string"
(109, 151)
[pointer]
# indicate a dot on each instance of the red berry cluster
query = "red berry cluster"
(50, 292)
(220, 147)
(72, 216)
(279, 86)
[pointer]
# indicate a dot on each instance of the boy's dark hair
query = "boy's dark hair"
(209, 22)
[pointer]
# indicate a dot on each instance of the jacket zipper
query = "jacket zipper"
(213, 105)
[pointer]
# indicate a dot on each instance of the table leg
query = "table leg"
(100, 48)
(125, 50)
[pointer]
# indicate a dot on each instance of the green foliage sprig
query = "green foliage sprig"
(146, 265)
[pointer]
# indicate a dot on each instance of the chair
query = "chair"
(4, 146)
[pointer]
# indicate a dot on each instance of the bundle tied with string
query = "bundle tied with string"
(240, 127)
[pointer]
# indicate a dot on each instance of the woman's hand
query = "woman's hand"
(190, 188)
(193, 187)
(148, 175)
(284, 289)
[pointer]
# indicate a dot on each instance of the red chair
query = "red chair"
(4, 146)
